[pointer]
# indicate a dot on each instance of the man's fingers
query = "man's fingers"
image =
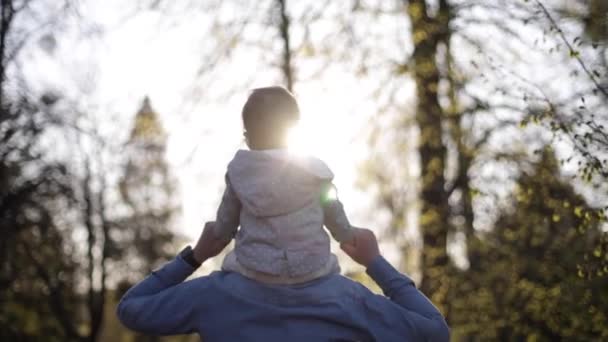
(364, 234)
(363, 248)
(348, 248)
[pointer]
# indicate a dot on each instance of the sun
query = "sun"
(332, 128)
(315, 137)
(299, 141)
(329, 128)
(319, 131)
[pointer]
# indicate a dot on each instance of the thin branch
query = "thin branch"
(573, 52)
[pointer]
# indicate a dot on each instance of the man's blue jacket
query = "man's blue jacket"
(225, 306)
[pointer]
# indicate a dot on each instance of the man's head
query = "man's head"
(268, 115)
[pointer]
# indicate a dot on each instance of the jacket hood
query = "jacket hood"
(276, 182)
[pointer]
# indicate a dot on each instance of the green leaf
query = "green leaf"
(574, 53)
(597, 253)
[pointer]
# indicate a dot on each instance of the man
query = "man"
(226, 306)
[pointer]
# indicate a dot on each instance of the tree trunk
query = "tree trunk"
(7, 13)
(286, 64)
(427, 34)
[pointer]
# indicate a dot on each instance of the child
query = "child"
(279, 200)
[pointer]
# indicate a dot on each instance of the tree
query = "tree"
(528, 283)
(595, 24)
(578, 119)
(427, 34)
(286, 65)
(468, 98)
(147, 189)
(36, 278)
(581, 117)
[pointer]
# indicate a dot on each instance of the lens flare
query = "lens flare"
(298, 141)
(331, 194)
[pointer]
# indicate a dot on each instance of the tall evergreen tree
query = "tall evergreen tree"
(148, 191)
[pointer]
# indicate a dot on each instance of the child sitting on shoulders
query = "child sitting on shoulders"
(279, 200)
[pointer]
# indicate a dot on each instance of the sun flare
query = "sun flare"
(316, 134)
(298, 141)
(325, 130)
(316, 137)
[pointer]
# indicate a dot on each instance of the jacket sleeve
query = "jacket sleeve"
(419, 314)
(162, 304)
(334, 218)
(228, 214)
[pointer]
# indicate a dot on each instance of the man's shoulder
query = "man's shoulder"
(357, 291)
(328, 288)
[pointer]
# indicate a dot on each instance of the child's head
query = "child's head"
(268, 115)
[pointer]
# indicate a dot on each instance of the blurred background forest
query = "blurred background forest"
(470, 135)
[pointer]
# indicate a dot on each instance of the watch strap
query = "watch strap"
(188, 255)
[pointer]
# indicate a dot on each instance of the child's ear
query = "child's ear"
(246, 136)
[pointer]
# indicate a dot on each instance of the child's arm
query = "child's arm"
(335, 218)
(228, 214)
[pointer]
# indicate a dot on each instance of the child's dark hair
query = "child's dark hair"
(267, 116)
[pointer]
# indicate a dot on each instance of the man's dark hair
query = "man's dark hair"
(267, 116)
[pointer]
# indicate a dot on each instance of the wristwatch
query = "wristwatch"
(188, 255)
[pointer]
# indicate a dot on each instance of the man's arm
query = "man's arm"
(428, 322)
(162, 303)
(401, 290)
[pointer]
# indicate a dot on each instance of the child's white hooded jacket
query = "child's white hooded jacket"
(277, 199)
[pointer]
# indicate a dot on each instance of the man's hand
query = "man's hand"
(363, 248)
(208, 245)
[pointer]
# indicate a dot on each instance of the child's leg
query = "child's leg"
(231, 264)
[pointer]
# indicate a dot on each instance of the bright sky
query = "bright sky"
(140, 52)
(134, 58)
